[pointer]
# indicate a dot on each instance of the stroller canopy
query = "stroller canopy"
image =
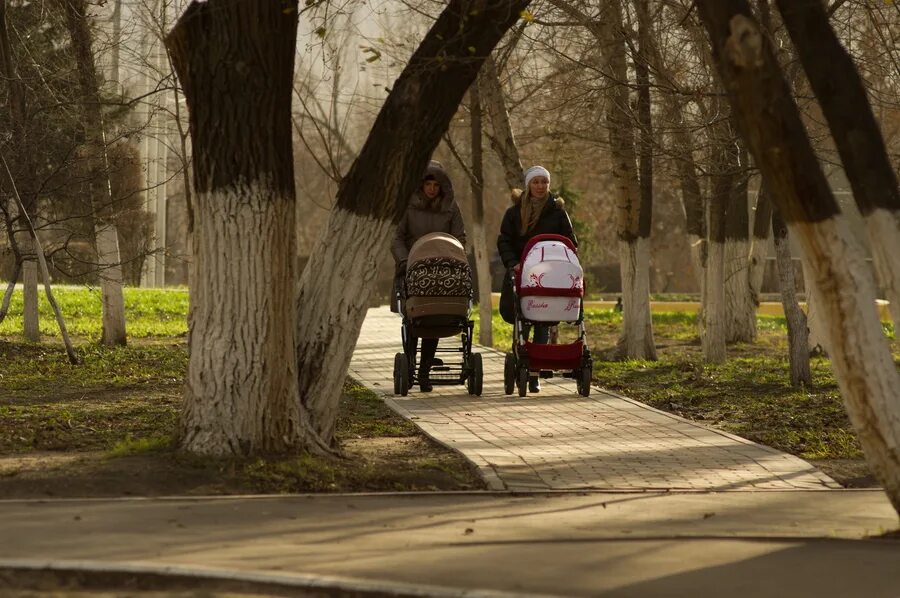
(436, 245)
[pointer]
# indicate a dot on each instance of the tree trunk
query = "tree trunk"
(817, 343)
(798, 333)
(762, 223)
(740, 304)
(106, 237)
(479, 240)
(771, 123)
(634, 196)
(235, 62)
(31, 320)
(691, 196)
(337, 281)
(856, 133)
(714, 327)
(502, 141)
(45, 273)
(7, 295)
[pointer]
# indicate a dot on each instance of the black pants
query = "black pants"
(429, 348)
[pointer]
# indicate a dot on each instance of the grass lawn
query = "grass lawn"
(106, 428)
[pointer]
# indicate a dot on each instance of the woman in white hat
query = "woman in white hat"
(535, 211)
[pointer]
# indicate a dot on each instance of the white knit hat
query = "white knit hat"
(536, 171)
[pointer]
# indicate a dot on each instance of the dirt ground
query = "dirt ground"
(44, 454)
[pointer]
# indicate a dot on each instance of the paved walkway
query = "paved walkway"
(649, 544)
(557, 440)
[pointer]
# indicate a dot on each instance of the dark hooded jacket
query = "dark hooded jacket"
(419, 220)
(553, 220)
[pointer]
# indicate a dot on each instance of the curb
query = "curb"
(30, 574)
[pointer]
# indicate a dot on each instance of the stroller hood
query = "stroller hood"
(436, 245)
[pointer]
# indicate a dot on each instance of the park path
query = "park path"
(558, 440)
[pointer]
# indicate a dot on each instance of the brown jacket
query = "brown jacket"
(419, 220)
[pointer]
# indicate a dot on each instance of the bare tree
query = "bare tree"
(861, 357)
(45, 273)
(833, 77)
(106, 236)
(335, 286)
(798, 333)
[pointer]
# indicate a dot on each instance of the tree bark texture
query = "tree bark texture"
(842, 96)
(373, 195)
(503, 141)
(235, 62)
(798, 333)
(479, 240)
(106, 236)
(840, 280)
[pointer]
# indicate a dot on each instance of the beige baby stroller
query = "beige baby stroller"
(435, 301)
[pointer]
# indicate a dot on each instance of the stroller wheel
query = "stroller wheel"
(401, 375)
(509, 373)
(584, 380)
(477, 376)
(522, 380)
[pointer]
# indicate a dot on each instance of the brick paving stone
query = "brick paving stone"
(561, 441)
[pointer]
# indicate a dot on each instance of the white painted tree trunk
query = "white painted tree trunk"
(241, 394)
(332, 300)
(740, 307)
(798, 331)
(636, 341)
(859, 351)
(113, 307)
(757, 265)
(714, 327)
(818, 343)
(884, 237)
(31, 321)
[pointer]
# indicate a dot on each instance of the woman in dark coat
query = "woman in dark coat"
(535, 211)
(431, 209)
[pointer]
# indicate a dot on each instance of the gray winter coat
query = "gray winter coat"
(419, 221)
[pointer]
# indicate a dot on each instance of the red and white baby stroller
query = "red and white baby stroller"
(549, 289)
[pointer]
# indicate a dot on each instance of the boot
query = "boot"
(424, 380)
(534, 384)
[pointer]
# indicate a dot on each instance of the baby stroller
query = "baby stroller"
(549, 289)
(435, 301)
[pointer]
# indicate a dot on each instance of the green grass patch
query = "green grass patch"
(42, 370)
(364, 415)
(137, 446)
(148, 312)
